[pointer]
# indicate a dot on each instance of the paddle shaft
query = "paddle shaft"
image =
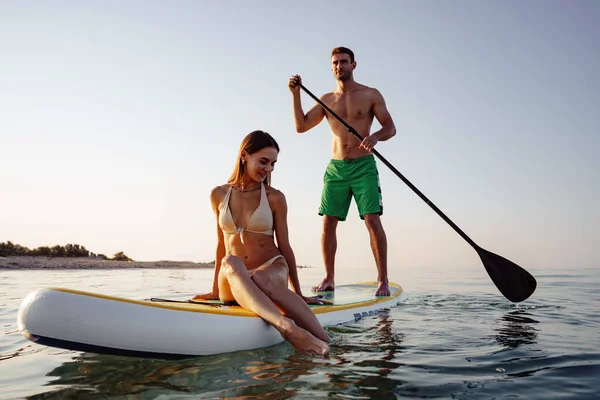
(207, 303)
(395, 171)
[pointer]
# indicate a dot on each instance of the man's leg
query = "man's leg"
(335, 202)
(328, 249)
(365, 186)
(379, 248)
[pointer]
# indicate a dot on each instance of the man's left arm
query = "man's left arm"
(388, 129)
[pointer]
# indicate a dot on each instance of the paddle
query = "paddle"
(215, 303)
(514, 282)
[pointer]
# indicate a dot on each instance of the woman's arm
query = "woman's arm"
(279, 207)
(215, 199)
(220, 253)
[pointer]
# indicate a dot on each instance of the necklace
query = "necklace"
(243, 190)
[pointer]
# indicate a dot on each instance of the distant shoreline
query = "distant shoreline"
(43, 262)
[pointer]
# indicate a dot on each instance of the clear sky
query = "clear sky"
(118, 117)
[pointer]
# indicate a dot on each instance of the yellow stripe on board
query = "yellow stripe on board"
(235, 310)
(188, 307)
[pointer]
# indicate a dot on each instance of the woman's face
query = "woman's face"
(260, 164)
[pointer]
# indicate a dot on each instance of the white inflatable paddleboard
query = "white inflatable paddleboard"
(169, 328)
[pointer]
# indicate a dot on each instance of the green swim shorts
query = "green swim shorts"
(356, 177)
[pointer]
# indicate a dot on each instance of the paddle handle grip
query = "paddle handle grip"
(395, 171)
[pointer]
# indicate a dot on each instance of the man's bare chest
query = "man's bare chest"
(350, 106)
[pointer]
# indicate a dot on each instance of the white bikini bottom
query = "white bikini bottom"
(266, 264)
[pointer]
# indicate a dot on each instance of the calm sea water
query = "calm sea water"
(454, 337)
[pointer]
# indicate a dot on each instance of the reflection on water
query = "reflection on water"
(455, 341)
(516, 328)
(362, 356)
(95, 376)
(365, 359)
(368, 359)
(235, 375)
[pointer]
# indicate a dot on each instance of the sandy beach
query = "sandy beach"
(28, 262)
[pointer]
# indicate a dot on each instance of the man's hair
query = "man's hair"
(343, 50)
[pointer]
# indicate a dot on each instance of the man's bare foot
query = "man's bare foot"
(383, 289)
(326, 285)
(302, 340)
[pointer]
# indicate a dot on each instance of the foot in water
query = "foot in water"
(326, 285)
(302, 340)
(383, 289)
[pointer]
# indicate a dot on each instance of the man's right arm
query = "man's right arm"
(303, 122)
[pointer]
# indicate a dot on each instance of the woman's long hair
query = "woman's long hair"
(253, 142)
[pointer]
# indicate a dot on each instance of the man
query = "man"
(352, 170)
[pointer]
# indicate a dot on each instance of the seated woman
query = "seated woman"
(250, 268)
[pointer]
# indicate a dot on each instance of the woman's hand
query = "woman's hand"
(207, 296)
(316, 300)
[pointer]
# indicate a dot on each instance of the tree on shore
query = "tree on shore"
(8, 249)
(120, 256)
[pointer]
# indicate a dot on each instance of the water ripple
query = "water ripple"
(442, 343)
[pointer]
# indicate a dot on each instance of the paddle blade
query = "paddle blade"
(514, 282)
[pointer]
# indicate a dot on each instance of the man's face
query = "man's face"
(342, 67)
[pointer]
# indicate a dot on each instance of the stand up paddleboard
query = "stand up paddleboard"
(169, 328)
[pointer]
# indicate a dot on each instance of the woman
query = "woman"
(250, 268)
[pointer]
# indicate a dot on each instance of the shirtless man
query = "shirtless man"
(352, 170)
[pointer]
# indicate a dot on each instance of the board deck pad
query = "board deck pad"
(353, 293)
(343, 295)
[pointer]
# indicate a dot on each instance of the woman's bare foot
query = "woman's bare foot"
(301, 339)
(326, 285)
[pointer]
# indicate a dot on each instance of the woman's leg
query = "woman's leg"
(235, 284)
(273, 281)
